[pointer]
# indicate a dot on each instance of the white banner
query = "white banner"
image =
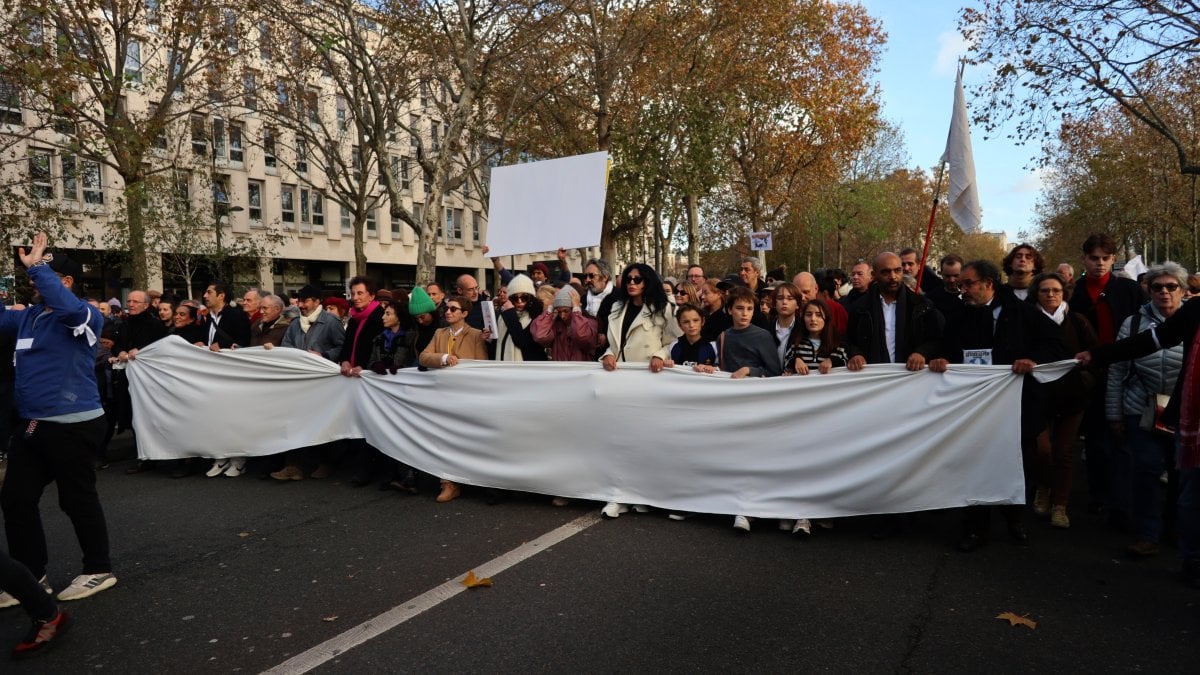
(882, 440)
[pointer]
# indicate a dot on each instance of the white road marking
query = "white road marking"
(371, 628)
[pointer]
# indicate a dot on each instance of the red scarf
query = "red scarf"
(360, 316)
(1189, 410)
(1106, 329)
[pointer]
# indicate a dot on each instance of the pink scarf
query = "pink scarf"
(360, 316)
(1189, 410)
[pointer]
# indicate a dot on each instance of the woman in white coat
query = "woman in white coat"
(641, 329)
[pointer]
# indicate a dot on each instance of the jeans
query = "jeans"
(1147, 453)
(61, 453)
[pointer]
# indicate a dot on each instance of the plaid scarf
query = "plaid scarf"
(1189, 410)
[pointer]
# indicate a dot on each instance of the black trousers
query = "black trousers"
(17, 581)
(62, 453)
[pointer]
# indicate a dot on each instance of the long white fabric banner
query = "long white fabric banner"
(882, 440)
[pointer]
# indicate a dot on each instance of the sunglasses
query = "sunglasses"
(452, 308)
(591, 275)
(520, 297)
(636, 281)
(1164, 287)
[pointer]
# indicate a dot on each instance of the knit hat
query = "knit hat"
(520, 284)
(539, 266)
(563, 297)
(419, 302)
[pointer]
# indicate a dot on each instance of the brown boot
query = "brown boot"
(449, 493)
(288, 473)
(322, 471)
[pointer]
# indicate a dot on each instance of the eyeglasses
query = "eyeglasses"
(636, 281)
(452, 308)
(1051, 291)
(591, 275)
(1170, 288)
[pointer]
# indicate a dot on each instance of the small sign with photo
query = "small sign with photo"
(760, 241)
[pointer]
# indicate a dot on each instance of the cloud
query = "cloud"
(951, 45)
(1033, 181)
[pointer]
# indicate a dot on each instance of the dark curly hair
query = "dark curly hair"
(653, 295)
(1039, 263)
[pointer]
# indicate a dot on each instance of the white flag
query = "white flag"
(962, 199)
(1135, 267)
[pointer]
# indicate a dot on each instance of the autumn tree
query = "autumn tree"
(81, 63)
(1078, 56)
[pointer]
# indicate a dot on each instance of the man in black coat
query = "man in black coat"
(366, 322)
(226, 326)
(141, 328)
(891, 324)
(1106, 299)
(996, 328)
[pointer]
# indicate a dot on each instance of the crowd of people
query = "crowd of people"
(1124, 396)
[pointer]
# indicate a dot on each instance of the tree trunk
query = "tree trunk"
(360, 252)
(135, 204)
(693, 216)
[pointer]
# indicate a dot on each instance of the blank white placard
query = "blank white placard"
(542, 206)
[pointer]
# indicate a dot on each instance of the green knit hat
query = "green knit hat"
(419, 302)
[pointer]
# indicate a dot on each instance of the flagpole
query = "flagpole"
(937, 193)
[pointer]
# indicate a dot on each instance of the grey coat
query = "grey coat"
(1130, 383)
(326, 336)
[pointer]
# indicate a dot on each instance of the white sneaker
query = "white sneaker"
(87, 585)
(786, 525)
(614, 510)
(219, 467)
(641, 508)
(237, 467)
(741, 523)
(7, 600)
(803, 526)
(678, 516)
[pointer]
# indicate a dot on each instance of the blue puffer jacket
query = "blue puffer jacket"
(56, 351)
(1130, 383)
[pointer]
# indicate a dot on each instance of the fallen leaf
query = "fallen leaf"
(332, 617)
(471, 581)
(243, 535)
(1014, 620)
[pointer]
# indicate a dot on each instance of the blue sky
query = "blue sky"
(916, 76)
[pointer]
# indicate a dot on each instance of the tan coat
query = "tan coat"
(468, 345)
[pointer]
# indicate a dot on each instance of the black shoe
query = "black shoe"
(1018, 533)
(141, 467)
(970, 542)
(359, 481)
(495, 496)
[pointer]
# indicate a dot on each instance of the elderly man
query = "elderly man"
(860, 283)
(271, 325)
(806, 283)
(750, 273)
(695, 276)
(468, 288)
(252, 304)
(140, 328)
(996, 328)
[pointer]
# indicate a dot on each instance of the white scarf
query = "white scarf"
(306, 322)
(1058, 315)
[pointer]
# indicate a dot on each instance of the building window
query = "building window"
(231, 32)
(347, 223)
(395, 225)
(433, 137)
(219, 141)
(268, 142)
(152, 10)
(183, 190)
(342, 115)
(133, 61)
(305, 211)
(220, 190)
(405, 182)
(176, 67)
(372, 225)
(10, 102)
(312, 106)
(264, 41)
(254, 190)
(287, 206)
(301, 156)
(92, 175)
(250, 85)
(41, 184)
(418, 213)
(414, 138)
(236, 151)
(475, 226)
(318, 211)
(356, 165)
(70, 177)
(199, 136)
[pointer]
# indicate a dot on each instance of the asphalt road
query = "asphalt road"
(240, 575)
